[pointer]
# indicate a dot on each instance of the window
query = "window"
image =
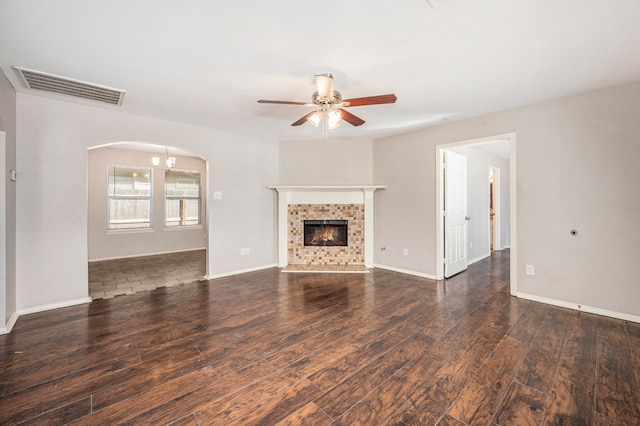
(182, 198)
(129, 197)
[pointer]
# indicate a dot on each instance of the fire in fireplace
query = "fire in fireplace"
(326, 232)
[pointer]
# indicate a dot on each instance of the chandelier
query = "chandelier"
(170, 162)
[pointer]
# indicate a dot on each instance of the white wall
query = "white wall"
(104, 244)
(576, 161)
(478, 162)
(326, 162)
(52, 226)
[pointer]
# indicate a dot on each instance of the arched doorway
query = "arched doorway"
(147, 221)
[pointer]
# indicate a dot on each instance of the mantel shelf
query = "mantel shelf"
(326, 187)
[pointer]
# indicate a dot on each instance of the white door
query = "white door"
(455, 213)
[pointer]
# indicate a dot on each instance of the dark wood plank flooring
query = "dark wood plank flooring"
(270, 348)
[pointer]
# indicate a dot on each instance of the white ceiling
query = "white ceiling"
(208, 62)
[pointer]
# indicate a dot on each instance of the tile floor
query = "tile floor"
(109, 278)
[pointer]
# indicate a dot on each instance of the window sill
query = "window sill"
(129, 231)
(182, 228)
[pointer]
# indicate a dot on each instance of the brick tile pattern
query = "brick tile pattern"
(298, 254)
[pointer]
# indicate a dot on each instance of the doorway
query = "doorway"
(146, 218)
(481, 242)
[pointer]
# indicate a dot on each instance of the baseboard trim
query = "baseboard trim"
(405, 271)
(12, 321)
(51, 306)
(579, 307)
(240, 271)
(146, 254)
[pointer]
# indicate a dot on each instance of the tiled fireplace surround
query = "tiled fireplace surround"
(297, 203)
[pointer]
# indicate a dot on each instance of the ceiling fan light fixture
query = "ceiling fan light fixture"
(333, 119)
(315, 118)
(324, 82)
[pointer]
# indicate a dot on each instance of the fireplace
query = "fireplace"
(326, 233)
(353, 203)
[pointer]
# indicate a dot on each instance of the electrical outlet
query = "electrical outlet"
(405, 252)
(247, 251)
(530, 270)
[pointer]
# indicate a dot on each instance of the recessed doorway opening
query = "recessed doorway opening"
(482, 238)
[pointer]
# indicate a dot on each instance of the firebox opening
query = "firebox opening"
(326, 233)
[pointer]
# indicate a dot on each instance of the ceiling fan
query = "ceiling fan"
(331, 105)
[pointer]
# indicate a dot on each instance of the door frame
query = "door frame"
(439, 203)
(494, 239)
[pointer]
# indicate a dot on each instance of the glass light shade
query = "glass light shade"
(315, 118)
(155, 161)
(333, 119)
(171, 161)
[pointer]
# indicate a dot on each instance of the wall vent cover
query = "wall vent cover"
(67, 86)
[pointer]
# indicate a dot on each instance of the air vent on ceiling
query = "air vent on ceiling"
(67, 86)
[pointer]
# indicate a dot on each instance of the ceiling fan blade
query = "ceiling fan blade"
(350, 118)
(303, 119)
(372, 100)
(263, 101)
(324, 82)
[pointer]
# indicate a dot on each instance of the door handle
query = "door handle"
(467, 218)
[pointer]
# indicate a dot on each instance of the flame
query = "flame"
(326, 235)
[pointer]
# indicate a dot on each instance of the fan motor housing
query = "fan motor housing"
(317, 100)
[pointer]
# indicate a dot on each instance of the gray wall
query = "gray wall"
(576, 161)
(52, 226)
(326, 162)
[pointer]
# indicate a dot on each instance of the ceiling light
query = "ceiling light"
(170, 162)
(315, 118)
(333, 119)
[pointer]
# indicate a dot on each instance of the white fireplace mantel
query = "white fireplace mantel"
(325, 194)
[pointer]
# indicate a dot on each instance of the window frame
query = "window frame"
(198, 198)
(148, 225)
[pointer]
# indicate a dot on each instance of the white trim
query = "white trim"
(405, 271)
(578, 307)
(324, 272)
(12, 321)
(146, 254)
(121, 231)
(240, 271)
(58, 305)
(321, 187)
(182, 228)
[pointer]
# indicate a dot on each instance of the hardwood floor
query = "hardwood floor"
(318, 349)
